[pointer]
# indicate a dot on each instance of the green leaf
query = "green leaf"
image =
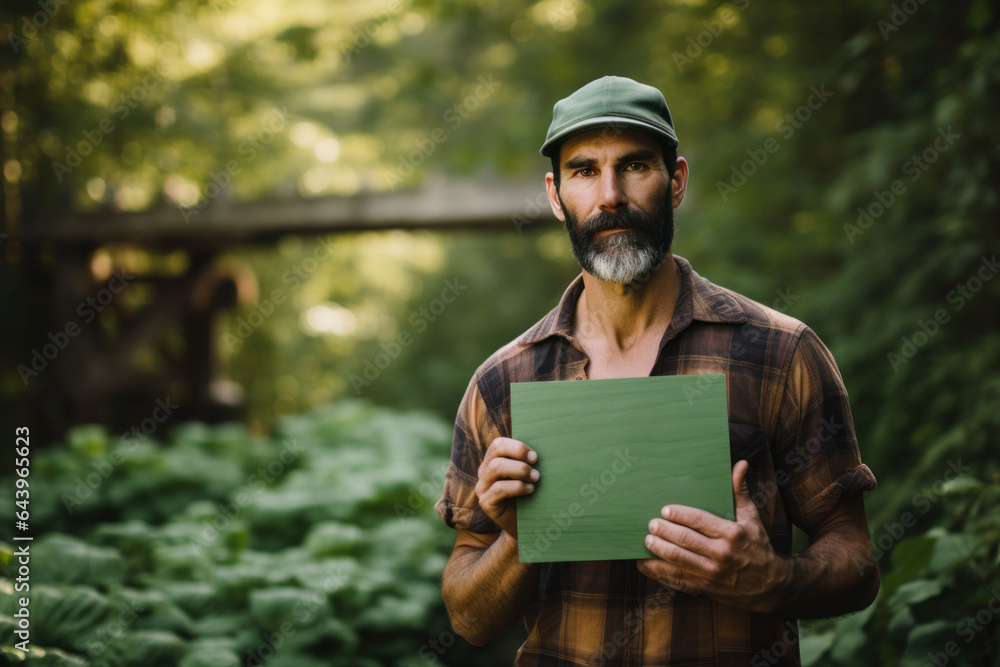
(151, 610)
(148, 648)
(197, 599)
(273, 607)
(901, 624)
(63, 559)
(949, 550)
(909, 561)
(927, 638)
(334, 538)
(52, 657)
(913, 592)
(813, 647)
(90, 440)
(67, 616)
(212, 653)
(849, 637)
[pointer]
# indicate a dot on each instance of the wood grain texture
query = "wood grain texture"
(611, 454)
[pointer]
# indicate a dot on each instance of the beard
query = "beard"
(628, 256)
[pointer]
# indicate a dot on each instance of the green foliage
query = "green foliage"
(793, 235)
(318, 546)
(940, 587)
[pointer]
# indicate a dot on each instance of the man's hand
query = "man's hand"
(731, 562)
(505, 474)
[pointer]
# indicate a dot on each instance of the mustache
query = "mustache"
(628, 218)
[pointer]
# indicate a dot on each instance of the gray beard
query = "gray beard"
(622, 258)
(628, 256)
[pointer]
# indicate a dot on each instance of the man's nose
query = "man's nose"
(612, 195)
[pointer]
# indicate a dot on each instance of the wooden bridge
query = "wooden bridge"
(94, 378)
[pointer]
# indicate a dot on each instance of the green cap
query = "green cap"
(610, 101)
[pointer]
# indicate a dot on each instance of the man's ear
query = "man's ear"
(679, 183)
(550, 189)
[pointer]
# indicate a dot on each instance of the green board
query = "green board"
(611, 454)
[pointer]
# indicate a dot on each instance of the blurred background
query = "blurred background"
(252, 253)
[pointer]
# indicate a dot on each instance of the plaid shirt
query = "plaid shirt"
(788, 417)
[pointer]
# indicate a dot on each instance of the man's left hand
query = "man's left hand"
(730, 561)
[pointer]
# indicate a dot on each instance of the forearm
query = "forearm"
(487, 589)
(835, 575)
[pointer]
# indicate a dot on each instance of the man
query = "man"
(716, 592)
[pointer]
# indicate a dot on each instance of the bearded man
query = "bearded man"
(715, 592)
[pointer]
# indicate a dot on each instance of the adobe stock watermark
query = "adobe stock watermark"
(38, 21)
(433, 649)
(713, 28)
(892, 532)
(220, 5)
(246, 326)
(927, 329)
(453, 117)
(366, 32)
(256, 483)
(420, 320)
(563, 14)
(248, 150)
(427, 491)
(294, 277)
(701, 385)
(914, 168)
(779, 649)
(898, 17)
(783, 300)
(537, 206)
(302, 614)
(787, 126)
(967, 628)
(633, 621)
(535, 545)
(796, 458)
(104, 468)
(299, 273)
(88, 309)
(120, 110)
(534, 208)
(98, 641)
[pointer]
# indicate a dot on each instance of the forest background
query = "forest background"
(844, 165)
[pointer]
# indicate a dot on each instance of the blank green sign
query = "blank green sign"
(611, 454)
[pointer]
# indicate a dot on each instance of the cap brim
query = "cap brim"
(606, 121)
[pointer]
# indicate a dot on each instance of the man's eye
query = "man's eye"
(635, 166)
(586, 171)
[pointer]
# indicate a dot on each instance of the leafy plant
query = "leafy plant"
(318, 546)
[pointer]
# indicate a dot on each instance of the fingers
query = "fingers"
(505, 474)
(508, 459)
(671, 576)
(683, 548)
(740, 477)
(503, 468)
(745, 509)
(698, 520)
(498, 493)
(509, 448)
(707, 523)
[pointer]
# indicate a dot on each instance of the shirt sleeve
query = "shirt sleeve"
(817, 461)
(474, 431)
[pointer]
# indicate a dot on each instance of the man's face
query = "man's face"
(616, 198)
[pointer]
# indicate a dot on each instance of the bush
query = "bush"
(318, 546)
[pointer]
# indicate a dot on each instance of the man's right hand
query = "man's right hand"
(505, 474)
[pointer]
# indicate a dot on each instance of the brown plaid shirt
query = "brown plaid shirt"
(788, 417)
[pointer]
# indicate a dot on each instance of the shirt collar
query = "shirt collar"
(698, 299)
